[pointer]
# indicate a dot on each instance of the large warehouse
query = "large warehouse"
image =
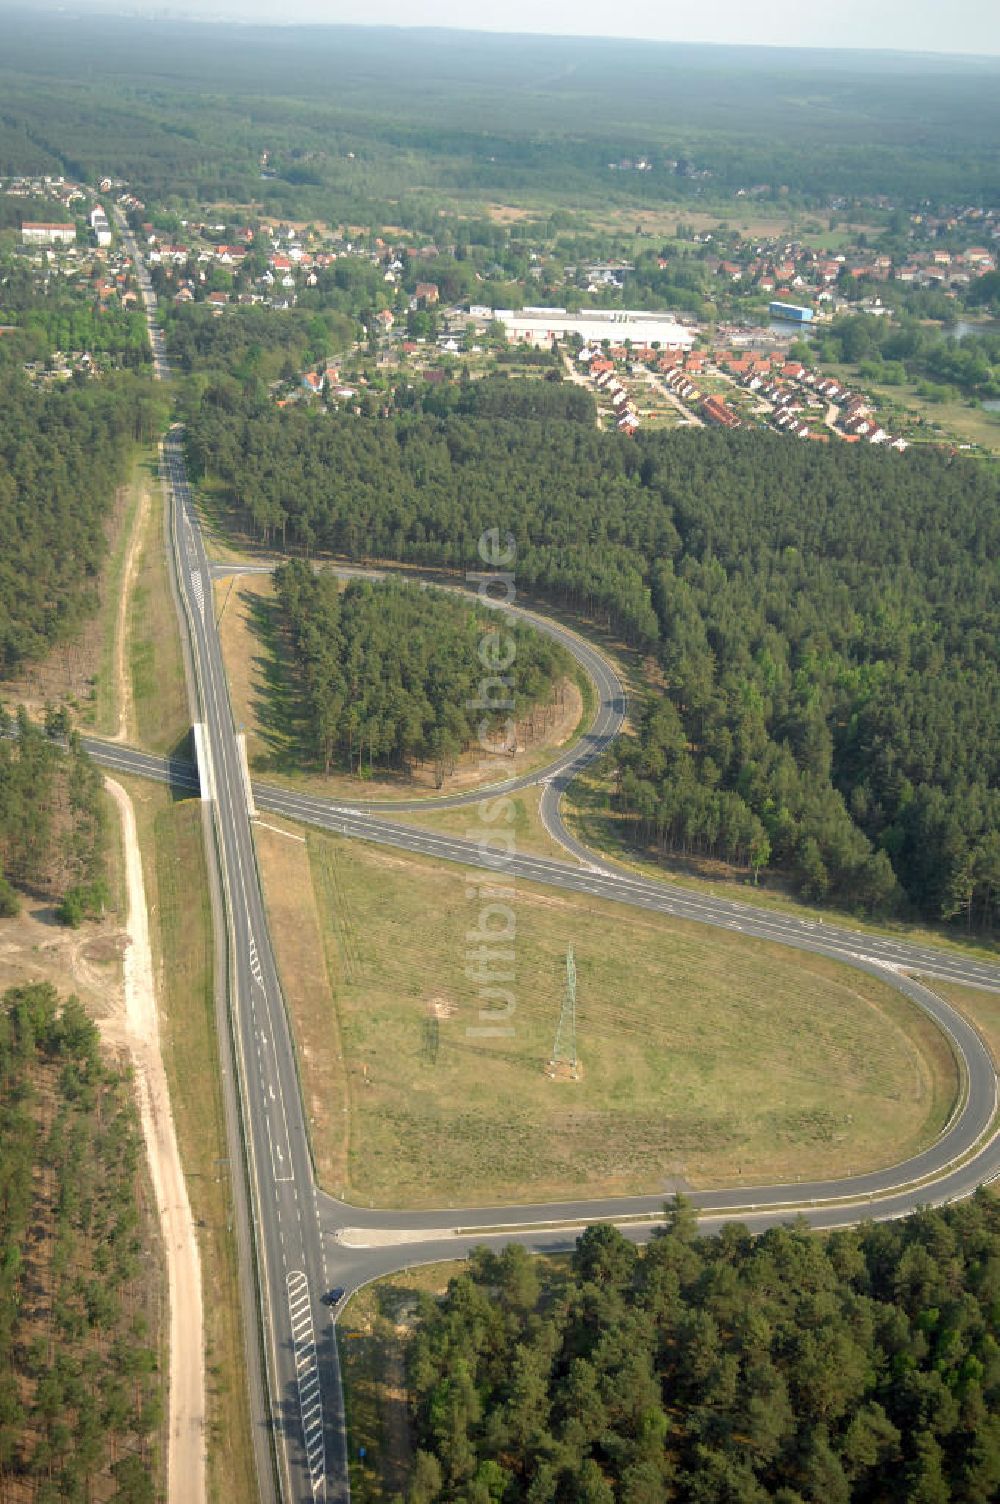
(540, 326)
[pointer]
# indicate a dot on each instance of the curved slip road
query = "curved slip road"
(351, 1245)
(304, 1241)
(605, 725)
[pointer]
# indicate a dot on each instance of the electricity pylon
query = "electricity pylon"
(564, 1061)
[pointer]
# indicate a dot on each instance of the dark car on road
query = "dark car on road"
(334, 1297)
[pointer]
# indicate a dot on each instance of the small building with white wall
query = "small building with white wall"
(99, 225)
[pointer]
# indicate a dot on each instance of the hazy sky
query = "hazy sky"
(969, 26)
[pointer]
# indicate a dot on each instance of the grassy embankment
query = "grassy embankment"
(981, 1009)
(372, 1332)
(159, 714)
(678, 1029)
(101, 714)
(170, 834)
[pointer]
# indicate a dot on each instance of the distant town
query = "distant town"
(746, 351)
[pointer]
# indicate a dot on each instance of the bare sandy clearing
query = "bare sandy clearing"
(187, 1437)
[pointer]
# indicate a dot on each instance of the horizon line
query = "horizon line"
(171, 14)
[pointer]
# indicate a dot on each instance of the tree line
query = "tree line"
(892, 353)
(392, 675)
(62, 453)
(824, 621)
(253, 343)
(80, 1391)
(53, 837)
(858, 1366)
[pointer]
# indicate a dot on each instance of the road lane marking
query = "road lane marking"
(307, 1380)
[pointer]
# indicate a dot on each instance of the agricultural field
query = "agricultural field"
(676, 1029)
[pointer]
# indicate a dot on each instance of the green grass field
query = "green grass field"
(707, 1058)
(159, 706)
(102, 713)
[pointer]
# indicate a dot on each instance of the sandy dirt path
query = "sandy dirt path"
(123, 679)
(187, 1424)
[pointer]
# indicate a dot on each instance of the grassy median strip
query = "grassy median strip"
(981, 1008)
(707, 1058)
(156, 665)
(102, 713)
(170, 834)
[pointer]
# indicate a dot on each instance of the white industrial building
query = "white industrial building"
(37, 232)
(540, 326)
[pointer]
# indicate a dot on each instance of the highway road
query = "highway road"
(302, 1357)
(301, 1417)
(306, 1241)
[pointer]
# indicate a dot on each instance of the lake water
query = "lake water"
(790, 329)
(992, 404)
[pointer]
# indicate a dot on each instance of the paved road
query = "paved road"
(307, 1241)
(301, 1414)
(563, 768)
(598, 878)
(303, 1363)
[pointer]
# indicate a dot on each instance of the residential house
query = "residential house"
(717, 411)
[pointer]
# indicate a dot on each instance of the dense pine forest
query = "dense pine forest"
(372, 123)
(52, 825)
(863, 1366)
(80, 1392)
(62, 453)
(391, 675)
(825, 621)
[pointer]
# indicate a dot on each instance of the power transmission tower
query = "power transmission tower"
(564, 1061)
